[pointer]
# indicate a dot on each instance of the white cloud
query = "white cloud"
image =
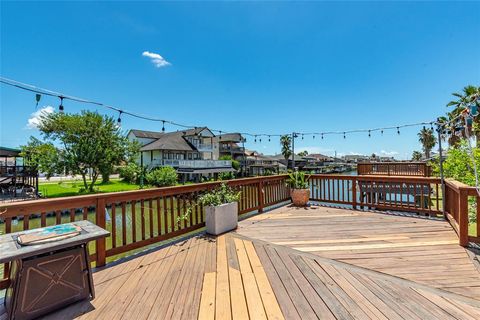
(35, 117)
(157, 60)
(389, 153)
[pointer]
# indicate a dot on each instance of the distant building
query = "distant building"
(256, 164)
(355, 158)
(194, 153)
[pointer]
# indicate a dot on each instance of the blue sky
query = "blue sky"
(245, 66)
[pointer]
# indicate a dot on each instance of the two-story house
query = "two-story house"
(257, 164)
(193, 153)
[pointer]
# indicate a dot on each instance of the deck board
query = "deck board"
(413, 248)
(264, 271)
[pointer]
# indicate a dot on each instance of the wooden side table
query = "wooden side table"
(46, 277)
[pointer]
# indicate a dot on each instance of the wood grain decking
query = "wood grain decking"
(316, 263)
(417, 249)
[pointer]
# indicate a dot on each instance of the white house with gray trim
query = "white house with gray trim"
(192, 152)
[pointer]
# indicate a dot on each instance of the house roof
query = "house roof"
(230, 137)
(147, 134)
(196, 130)
(169, 141)
(9, 152)
(281, 157)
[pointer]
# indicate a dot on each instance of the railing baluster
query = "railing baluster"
(124, 223)
(134, 221)
(150, 216)
(114, 224)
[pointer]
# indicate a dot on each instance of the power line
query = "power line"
(122, 111)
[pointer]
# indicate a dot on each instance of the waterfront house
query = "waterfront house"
(194, 153)
(257, 164)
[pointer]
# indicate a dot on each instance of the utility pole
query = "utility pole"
(442, 179)
(141, 169)
(294, 135)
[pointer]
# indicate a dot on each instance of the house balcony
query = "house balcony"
(231, 149)
(193, 164)
(204, 147)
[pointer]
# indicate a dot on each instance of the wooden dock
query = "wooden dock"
(291, 263)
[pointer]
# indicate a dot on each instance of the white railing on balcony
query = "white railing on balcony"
(193, 163)
(204, 147)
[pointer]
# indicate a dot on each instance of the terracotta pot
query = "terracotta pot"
(300, 197)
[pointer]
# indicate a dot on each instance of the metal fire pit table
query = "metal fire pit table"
(48, 276)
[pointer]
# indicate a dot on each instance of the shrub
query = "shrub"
(235, 163)
(226, 176)
(221, 195)
(162, 177)
(130, 172)
(298, 180)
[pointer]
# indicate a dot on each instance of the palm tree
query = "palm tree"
(416, 156)
(428, 141)
(286, 143)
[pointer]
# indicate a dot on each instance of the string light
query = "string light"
(60, 107)
(119, 120)
(369, 134)
(38, 96)
(344, 137)
(255, 138)
(42, 91)
(268, 138)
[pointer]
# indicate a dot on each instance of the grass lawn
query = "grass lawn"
(74, 188)
(472, 229)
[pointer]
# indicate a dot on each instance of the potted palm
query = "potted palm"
(221, 209)
(299, 188)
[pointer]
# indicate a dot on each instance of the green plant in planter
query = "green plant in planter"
(298, 180)
(221, 195)
(216, 197)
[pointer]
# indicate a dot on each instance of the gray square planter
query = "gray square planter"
(221, 219)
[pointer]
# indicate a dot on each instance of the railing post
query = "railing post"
(354, 193)
(463, 217)
(100, 245)
(261, 200)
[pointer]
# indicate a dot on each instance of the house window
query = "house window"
(151, 155)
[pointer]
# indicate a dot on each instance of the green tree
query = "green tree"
(43, 157)
(162, 177)
(235, 163)
(416, 156)
(427, 138)
(90, 142)
(303, 153)
(458, 163)
(286, 144)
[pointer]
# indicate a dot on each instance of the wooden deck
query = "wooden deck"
(412, 248)
(296, 264)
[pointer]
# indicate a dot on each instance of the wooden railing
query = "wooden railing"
(419, 169)
(457, 207)
(139, 218)
(413, 194)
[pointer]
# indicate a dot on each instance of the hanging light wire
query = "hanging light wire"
(62, 96)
